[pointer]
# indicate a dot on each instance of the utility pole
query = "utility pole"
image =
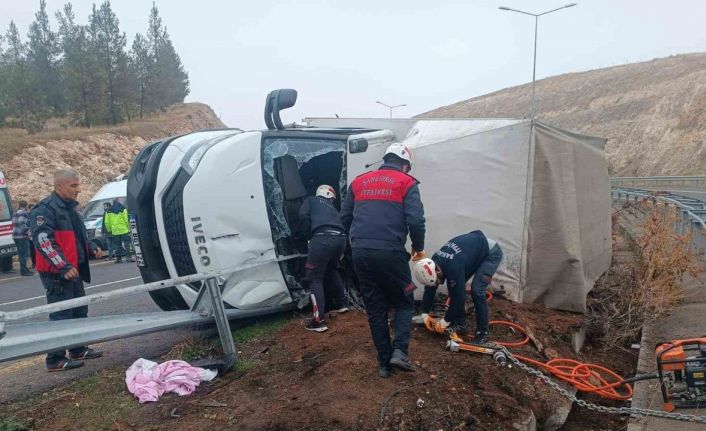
(533, 107)
(390, 107)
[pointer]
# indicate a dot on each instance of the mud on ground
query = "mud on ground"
(295, 379)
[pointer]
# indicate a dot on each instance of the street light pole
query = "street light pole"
(533, 107)
(390, 107)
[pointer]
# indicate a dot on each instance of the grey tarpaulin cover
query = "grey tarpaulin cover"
(543, 193)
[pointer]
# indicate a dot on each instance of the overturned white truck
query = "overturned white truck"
(229, 198)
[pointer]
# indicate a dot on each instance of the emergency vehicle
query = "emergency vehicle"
(7, 245)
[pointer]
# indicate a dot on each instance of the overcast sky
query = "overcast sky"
(342, 56)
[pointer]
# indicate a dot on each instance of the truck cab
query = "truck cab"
(229, 199)
(7, 245)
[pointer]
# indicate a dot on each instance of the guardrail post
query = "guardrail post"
(219, 313)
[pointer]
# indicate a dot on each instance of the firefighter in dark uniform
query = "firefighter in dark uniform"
(462, 257)
(61, 249)
(322, 225)
(380, 209)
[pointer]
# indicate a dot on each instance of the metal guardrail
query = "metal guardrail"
(20, 340)
(697, 181)
(692, 212)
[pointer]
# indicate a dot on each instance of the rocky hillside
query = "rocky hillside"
(653, 113)
(97, 154)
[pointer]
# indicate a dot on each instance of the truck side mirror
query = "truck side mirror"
(276, 101)
(359, 145)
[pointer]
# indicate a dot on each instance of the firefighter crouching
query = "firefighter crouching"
(61, 249)
(380, 209)
(462, 257)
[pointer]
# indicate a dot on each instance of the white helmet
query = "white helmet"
(326, 191)
(425, 272)
(401, 151)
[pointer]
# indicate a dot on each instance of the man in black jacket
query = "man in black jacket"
(61, 246)
(380, 209)
(462, 257)
(320, 221)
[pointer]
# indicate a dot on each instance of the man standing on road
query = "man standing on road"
(380, 209)
(61, 244)
(465, 256)
(20, 234)
(119, 228)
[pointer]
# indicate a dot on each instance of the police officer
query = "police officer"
(380, 209)
(61, 246)
(322, 225)
(465, 256)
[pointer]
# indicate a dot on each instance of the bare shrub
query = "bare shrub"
(649, 287)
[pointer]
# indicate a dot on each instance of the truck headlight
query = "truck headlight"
(193, 157)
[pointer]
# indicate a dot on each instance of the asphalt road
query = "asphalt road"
(26, 377)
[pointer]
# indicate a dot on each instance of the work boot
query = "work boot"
(316, 326)
(461, 330)
(384, 372)
(86, 354)
(64, 365)
(481, 337)
(401, 360)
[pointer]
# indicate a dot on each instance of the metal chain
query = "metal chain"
(595, 407)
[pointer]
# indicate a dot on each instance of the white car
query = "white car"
(93, 211)
(229, 199)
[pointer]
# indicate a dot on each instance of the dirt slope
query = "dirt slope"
(97, 154)
(293, 379)
(653, 113)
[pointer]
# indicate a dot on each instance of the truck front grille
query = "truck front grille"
(173, 213)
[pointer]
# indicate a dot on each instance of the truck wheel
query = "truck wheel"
(6, 264)
(169, 299)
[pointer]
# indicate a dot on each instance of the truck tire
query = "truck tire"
(169, 299)
(6, 264)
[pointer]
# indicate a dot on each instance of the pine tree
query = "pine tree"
(108, 44)
(43, 60)
(167, 82)
(26, 101)
(4, 105)
(141, 64)
(174, 79)
(82, 79)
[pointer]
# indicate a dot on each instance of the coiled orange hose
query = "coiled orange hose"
(588, 378)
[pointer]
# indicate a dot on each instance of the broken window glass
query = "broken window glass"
(302, 150)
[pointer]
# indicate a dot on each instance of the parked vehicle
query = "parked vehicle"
(7, 245)
(93, 211)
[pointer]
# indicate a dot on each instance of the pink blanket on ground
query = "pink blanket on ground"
(148, 380)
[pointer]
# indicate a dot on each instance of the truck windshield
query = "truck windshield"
(5, 207)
